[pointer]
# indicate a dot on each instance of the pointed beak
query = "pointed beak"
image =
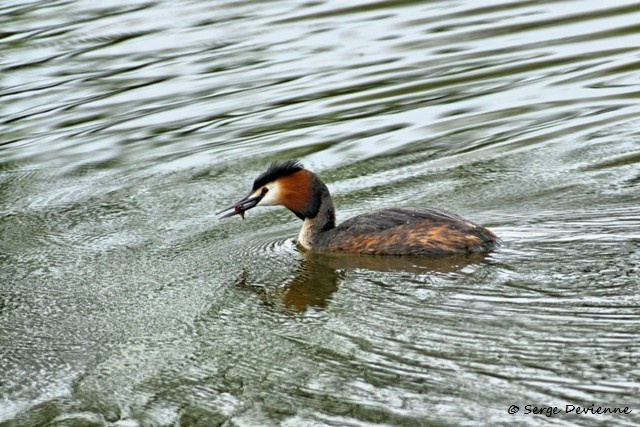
(242, 205)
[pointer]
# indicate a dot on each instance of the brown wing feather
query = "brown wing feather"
(410, 231)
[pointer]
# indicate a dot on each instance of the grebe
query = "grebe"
(393, 231)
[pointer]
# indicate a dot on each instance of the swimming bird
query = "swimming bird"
(391, 231)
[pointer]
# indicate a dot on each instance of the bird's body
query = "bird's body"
(404, 231)
(392, 231)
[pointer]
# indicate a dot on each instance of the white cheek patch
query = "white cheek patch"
(272, 197)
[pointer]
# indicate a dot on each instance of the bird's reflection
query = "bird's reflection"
(319, 275)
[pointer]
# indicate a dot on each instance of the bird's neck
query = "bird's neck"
(313, 229)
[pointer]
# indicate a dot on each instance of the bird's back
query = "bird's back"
(408, 231)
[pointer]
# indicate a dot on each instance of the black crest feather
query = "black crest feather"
(277, 170)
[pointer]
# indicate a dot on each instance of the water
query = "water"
(124, 301)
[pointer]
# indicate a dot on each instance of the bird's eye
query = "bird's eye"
(265, 190)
